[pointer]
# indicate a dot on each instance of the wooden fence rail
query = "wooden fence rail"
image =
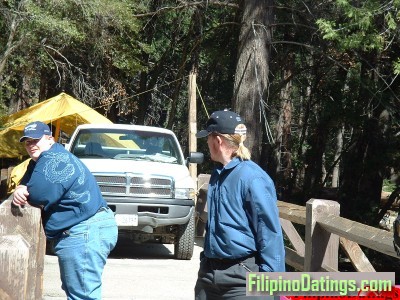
(23, 243)
(350, 234)
(22, 251)
(324, 231)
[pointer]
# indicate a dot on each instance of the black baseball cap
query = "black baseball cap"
(225, 122)
(35, 130)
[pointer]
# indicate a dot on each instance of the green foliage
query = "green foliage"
(396, 67)
(335, 62)
(359, 26)
(69, 43)
(388, 186)
(328, 29)
(47, 17)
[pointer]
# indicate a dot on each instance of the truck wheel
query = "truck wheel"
(184, 241)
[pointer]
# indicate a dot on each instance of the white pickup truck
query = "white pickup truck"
(143, 176)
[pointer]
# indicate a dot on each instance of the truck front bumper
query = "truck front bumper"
(153, 212)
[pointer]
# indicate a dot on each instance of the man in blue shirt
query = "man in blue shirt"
(75, 215)
(243, 232)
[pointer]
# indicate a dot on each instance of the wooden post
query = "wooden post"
(192, 122)
(22, 251)
(322, 247)
(201, 204)
(14, 253)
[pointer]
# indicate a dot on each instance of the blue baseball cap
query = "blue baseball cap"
(225, 122)
(35, 130)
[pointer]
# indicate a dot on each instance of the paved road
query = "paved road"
(137, 272)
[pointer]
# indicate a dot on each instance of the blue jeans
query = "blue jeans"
(82, 252)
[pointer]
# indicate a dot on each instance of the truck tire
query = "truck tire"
(184, 240)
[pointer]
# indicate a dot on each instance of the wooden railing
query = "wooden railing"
(324, 231)
(23, 243)
(22, 252)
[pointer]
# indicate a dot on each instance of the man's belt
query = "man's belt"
(229, 260)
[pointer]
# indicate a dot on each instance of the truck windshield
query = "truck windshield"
(123, 144)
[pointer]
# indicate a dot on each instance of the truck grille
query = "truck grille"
(135, 185)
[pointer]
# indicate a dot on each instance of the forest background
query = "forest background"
(317, 82)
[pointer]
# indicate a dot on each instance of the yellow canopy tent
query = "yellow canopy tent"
(63, 112)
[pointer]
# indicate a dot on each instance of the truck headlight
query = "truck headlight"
(184, 193)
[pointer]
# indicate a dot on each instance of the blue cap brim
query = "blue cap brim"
(29, 137)
(202, 134)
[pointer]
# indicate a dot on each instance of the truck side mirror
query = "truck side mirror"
(195, 158)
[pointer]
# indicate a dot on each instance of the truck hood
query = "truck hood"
(180, 173)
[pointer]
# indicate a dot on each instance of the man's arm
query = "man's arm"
(267, 227)
(43, 192)
(20, 195)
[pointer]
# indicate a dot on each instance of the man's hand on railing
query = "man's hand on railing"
(20, 196)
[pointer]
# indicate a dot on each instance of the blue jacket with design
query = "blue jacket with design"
(60, 183)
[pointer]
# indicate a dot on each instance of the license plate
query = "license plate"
(126, 220)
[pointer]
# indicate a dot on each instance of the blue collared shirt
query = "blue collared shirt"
(243, 216)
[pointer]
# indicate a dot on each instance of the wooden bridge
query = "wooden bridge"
(324, 232)
(22, 242)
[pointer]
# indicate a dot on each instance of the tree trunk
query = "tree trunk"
(314, 160)
(11, 44)
(363, 165)
(339, 148)
(251, 77)
(283, 149)
(190, 50)
(361, 185)
(147, 82)
(299, 171)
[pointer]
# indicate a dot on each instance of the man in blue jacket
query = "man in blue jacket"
(243, 232)
(75, 215)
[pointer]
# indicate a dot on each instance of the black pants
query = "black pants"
(224, 279)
